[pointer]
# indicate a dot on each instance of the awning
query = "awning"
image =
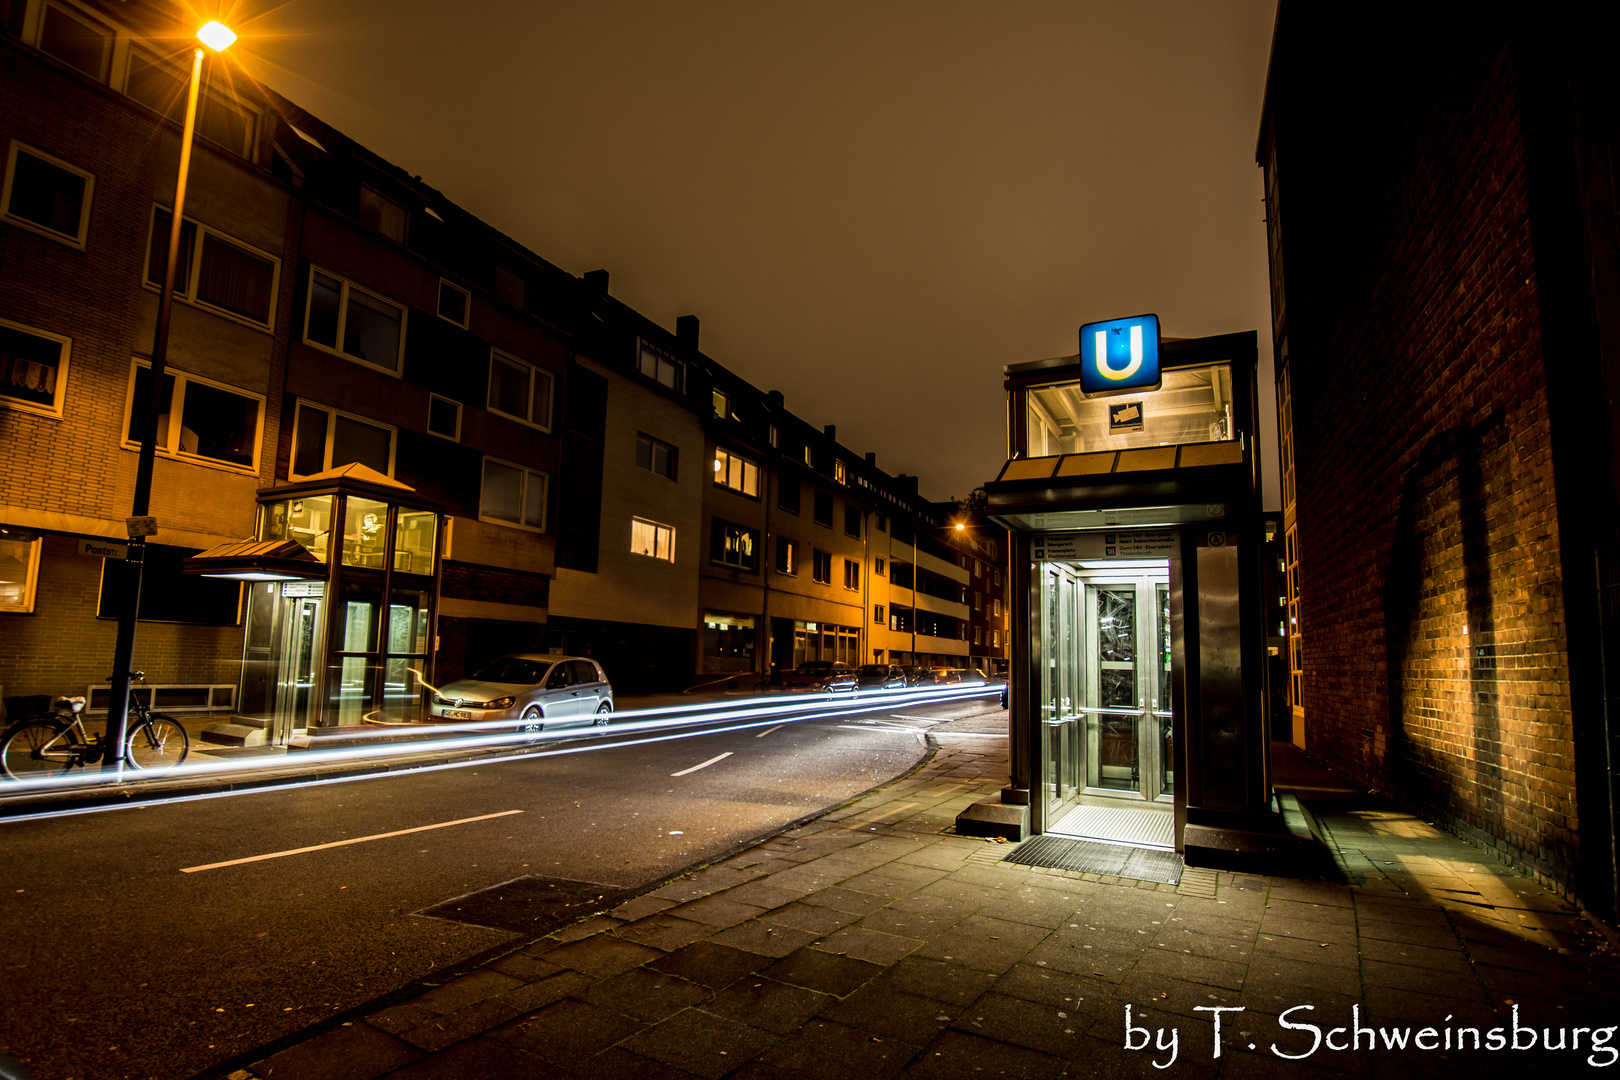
(258, 560)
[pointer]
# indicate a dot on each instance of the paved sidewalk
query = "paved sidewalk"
(871, 943)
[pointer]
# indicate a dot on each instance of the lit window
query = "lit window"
(840, 472)
(214, 270)
(660, 368)
(76, 41)
(652, 539)
(324, 438)
(381, 214)
(444, 417)
(47, 195)
(218, 424)
(513, 495)
(722, 407)
(345, 319)
(19, 573)
(655, 456)
(736, 473)
(455, 303)
(33, 369)
(821, 566)
(519, 390)
(735, 546)
(852, 574)
(787, 556)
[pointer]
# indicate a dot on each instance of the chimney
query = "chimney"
(596, 282)
(831, 431)
(686, 332)
(776, 399)
(871, 459)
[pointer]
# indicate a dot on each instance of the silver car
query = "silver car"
(535, 691)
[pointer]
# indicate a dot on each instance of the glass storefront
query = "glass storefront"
(1194, 405)
(728, 642)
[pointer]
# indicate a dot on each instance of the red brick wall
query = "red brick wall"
(1433, 626)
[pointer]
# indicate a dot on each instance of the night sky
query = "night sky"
(872, 207)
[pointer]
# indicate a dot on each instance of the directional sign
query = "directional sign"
(1105, 544)
(1119, 355)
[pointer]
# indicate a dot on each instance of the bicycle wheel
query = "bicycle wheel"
(159, 743)
(38, 748)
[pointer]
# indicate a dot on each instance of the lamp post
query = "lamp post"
(217, 37)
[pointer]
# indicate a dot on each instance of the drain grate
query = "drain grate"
(529, 904)
(1091, 857)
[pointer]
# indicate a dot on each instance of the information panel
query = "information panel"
(1089, 546)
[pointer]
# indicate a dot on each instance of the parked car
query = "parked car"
(880, 677)
(824, 675)
(969, 676)
(944, 675)
(534, 691)
(920, 676)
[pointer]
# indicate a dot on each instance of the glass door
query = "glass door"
(1061, 687)
(1126, 700)
(298, 668)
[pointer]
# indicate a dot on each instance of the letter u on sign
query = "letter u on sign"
(1120, 355)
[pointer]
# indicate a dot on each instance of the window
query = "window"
(978, 600)
(519, 390)
(345, 319)
(978, 635)
(660, 368)
(381, 214)
(821, 566)
(877, 567)
(824, 509)
(809, 455)
(840, 472)
(214, 270)
(736, 473)
(996, 577)
(444, 417)
(33, 369)
(880, 522)
(996, 606)
(735, 546)
(852, 574)
(877, 614)
(510, 286)
(19, 573)
(324, 438)
(787, 555)
(76, 41)
(995, 636)
(217, 423)
(652, 539)
(774, 436)
(899, 618)
(787, 492)
(513, 495)
(722, 407)
(852, 520)
(47, 196)
(161, 87)
(455, 303)
(655, 456)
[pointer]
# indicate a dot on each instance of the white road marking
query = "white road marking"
(925, 719)
(705, 765)
(767, 731)
(343, 843)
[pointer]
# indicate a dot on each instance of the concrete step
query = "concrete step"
(237, 732)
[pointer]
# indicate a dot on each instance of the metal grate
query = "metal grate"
(1092, 857)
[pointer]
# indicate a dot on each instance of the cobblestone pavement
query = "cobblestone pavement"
(873, 943)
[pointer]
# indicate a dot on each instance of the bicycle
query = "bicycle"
(54, 743)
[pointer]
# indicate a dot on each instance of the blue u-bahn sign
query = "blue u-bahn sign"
(1120, 355)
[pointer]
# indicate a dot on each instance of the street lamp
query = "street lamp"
(217, 37)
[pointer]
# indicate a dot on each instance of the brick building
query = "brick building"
(1444, 293)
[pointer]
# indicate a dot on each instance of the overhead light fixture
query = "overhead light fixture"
(216, 35)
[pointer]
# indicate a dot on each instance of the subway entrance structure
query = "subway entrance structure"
(1137, 696)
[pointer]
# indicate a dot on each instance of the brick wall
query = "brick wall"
(1433, 626)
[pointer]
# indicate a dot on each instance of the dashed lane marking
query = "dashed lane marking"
(344, 843)
(705, 765)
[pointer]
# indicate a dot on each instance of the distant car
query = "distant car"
(969, 676)
(880, 677)
(944, 675)
(827, 676)
(534, 691)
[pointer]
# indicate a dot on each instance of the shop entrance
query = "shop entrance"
(1105, 648)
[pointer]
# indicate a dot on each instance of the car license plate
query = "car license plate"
(457, 714)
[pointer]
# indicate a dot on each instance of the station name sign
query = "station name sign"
(1120, 356)
(1106, 544)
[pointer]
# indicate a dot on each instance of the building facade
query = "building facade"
(1445, 302)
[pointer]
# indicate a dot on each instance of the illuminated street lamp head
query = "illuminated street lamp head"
(216, 35)
(960, 526)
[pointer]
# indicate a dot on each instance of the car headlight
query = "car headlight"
(501, 703)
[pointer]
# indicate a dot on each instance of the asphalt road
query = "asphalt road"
(131, 952)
